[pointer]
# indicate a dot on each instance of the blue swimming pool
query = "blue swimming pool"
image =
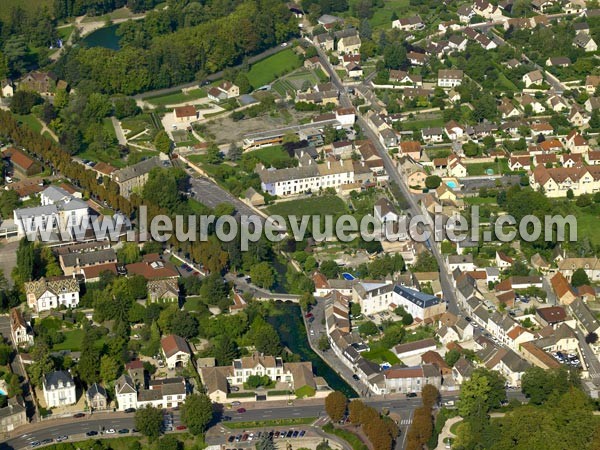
(3, 393)
(348, 276)
(451, 184)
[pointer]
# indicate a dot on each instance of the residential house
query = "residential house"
(373, 297)
(591, 83)
(6, 88)
(75, 262)
(575, 142)
(584, 317)
(409, 379)
(464, 263)
(59, 389)
(188, 113)
(420, 305)
(23, 166)
(563, 290)
(349, 44)
(462, 370)
(519, 162)
(557, 103)
(125, 393)
(448, 78)
(325, 41)
(405, 78)
(409, 23)
(13, 415)
(503, 261)
(414, 348)
(508, 109)
(586, 42)
(46, 294)
(163, 290)
(44, 83)
(558, 61)
(96, 398)
(20, 330)
(412, 149)
(537, 107)
(535, 77)
(176, 351)
(134, 177)
(435, 134)
(253, 197)
(592, 104)
(416, 59)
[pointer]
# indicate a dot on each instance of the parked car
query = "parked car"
(181, 427)
(91, 433)
(302, 433)
(110, 431)
(130, 410)
(236, 403)
(62, 438)
(79, 415)
(124, 431)
(230, 439)
(411, 394)
(241, 410)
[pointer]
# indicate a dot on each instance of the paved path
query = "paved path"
(118, 131)
(446, 432)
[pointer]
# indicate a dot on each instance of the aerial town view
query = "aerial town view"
(300, 225)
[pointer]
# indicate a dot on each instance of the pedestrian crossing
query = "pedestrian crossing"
(405, 421)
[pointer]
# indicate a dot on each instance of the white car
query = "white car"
(110, 431)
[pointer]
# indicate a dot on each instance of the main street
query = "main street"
(392, 171)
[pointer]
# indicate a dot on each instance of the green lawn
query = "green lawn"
(136, 124)
(274, 156)
(269, 423)
(424, 123)
(30, 121)
(348, 436)
(379, 354)
(65, 32)
(72, 341)
(480, 168)
(267, 70)
(327, 204)
(108, 126)
(382, 17)
(178, 97)
(191, 303)
(587, 222)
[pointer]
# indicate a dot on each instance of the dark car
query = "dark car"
(135, 430)
(411, 395)
(47, 441)
(289, 433)
(79, 415)
(226, 418)
(295, 434)
(123, 431)
(35, 444)
(241, 410)
(130, 410)
(231, 439)
(91, 433)
(355, 377)
(302, 433)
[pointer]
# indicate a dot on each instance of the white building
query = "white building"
(59, 389)
(21, 332)
(44, 295)
(418, 304)
(176, 351)
(59, 210)
(373, 296)
(125, 393)
(448, 78)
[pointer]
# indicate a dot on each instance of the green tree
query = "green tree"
(129, 253)
(451, 357)
(23, 101)
(323, 343)
(197, 412)
(24, 269)
(109, 368)
(169, 442)
(433, 182)
(265, 442)
(368, 328)
(149, 421)
(430, 395)
(482, 392)
(162, 142)
(579, 278)
(335, 405)
(331, 269)
(263, 275)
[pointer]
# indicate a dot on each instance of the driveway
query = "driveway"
(8, 258)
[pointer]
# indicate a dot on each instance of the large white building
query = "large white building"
(59, 389)
(163, 393)
(307, 177)
(125, 393)
(176, 351)
(59, 210)
(377, 296)
(44, 295)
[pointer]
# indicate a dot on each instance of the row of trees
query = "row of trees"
(381, 430)
(421, 429)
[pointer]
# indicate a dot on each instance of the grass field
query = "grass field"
(265, 71)
(72, 341)
(382, 17)
(178, 97)
(270, 156)
(30, 121)
(379, 354)
(136, 124)
(348, 436)
(587, 221)
(108, 126)
(425, 123)
(480, 168)
(65, 32)
(329, 204)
